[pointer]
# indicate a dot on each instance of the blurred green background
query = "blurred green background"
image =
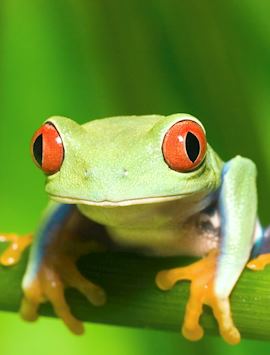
(89, 59)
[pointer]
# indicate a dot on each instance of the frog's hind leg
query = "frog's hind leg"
(260, 256)
(17, 245)
(64, 237)
(202, 276)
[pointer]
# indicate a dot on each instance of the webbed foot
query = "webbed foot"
(201, 274)
(57, 272)
(13, 253)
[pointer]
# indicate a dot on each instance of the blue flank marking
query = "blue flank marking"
(256, 249)
(225, 169)
(48, 231)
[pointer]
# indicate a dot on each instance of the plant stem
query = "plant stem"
(134, 300)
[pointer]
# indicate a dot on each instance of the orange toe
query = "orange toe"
(56, 273)
(17, 246)
(259, 263)
(202, 275)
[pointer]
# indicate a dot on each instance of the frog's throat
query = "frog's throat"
(135, 201)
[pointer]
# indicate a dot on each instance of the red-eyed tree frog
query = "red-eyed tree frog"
(158, 187)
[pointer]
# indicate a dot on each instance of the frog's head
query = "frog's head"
(125, 160)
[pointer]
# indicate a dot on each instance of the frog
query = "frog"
(158, 188)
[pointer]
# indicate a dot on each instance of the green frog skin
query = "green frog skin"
(158, 188)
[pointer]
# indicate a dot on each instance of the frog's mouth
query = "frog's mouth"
(131, 202)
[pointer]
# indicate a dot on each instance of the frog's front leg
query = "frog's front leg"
(214, 277)
(52, 267)
(202, 276)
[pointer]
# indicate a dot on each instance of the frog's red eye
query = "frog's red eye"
(184, 146)
(47, 149)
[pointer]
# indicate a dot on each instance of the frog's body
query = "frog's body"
(158, 188)
(158, 228)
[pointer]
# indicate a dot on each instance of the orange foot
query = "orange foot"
(13, 253)
(259, 263)
(201, 274)
(58, 271)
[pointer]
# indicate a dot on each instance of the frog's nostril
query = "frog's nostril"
(124, 172)
(87, 173)
(97, 174)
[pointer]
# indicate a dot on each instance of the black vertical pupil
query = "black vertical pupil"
(38, 149)
(192, 146)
